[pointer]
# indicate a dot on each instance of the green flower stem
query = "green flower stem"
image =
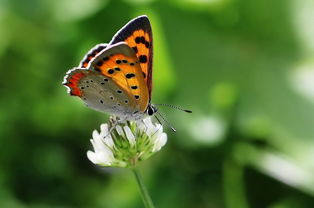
(234, 189)
(144, 193)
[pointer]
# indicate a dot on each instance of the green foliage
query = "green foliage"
(244, 67)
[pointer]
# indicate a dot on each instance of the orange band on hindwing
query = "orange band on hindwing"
(91, 54)
(72, 80)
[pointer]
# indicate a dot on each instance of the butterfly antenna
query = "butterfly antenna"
(167, 122)
(175, 107)
(158, 119)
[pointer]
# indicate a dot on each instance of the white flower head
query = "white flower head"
(127, 144)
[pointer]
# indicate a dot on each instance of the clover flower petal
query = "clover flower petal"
(127, 144)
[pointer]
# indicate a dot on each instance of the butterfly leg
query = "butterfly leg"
(112, 124)
(114, 121)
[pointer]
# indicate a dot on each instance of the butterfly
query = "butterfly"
(116, 78)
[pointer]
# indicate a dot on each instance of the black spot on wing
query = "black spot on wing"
(143, 58)
(147, 45)
(130, 75)
(110, 71)
(99, 63)
(143, 40)
(138, 39)
(135, 49)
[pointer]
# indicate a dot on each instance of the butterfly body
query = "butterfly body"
(116, 78)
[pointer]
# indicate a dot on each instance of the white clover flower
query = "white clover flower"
(127, 144)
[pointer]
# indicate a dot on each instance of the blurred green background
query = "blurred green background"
(245, 68)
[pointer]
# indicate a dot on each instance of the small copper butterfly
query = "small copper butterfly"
(116, 78)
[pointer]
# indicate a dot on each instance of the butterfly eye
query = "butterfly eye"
(150, 111)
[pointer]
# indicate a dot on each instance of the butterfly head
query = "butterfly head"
(151, 109)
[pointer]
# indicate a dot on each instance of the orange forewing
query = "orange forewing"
(141, 42)
(138, 35)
